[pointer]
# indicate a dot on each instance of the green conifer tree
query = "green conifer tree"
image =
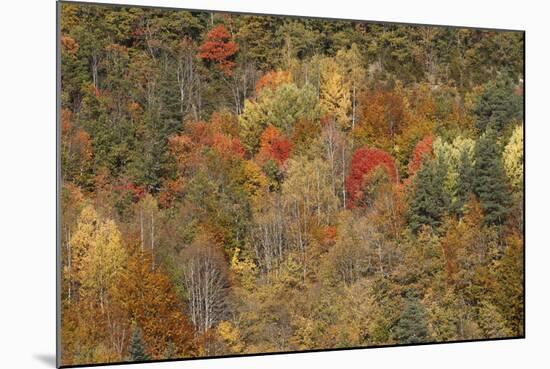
(490, 179)
(430, 201)
(412, 326)
(465, 181)
(136, 350)
(497, 106)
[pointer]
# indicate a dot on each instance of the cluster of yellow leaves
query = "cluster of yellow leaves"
(334, 93)
(513, 159)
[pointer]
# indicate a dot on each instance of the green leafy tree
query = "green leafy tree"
(256, 41)
(282, 108)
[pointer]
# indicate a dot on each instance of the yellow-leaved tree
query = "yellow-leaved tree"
(513, 159)
(334, 93)
(103, 258)
(94, 327)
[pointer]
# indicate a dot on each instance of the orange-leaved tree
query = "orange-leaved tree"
(274, 146)
(219, 49)
(272, 80)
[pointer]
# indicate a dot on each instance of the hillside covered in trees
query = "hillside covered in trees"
(239, 184)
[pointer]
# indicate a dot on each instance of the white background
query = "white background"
(27, 182)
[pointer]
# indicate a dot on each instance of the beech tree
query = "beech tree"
(383, 116)
(274, 146)
(424, 148)
(148, 294)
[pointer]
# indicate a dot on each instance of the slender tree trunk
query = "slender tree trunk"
(344, 174)
(380, 258)
(69, 264)
(152, 242)
(94, 70)
(353, 108)
(141, 229)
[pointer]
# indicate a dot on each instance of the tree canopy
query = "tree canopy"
(237, 184)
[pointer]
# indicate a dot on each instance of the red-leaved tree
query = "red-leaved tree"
(364, 162)
(219, 49)
(424, 147)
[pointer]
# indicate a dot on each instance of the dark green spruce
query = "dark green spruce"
(430, 201)
(412, 326)
(465, 182)
(136, 350)
(490, 180)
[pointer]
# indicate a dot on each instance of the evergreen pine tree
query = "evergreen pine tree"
(497, 106)
(170, 350)
(490, 179)
(430, 201)
(412, 326)
(136, 350)
(465, 181)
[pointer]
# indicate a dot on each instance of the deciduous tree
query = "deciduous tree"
(219, 49)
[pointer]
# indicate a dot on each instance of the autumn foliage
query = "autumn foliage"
(149, 294)
(272, 80)
(364, 162)
(424, 148)
(384, 115)
(240, 184)
(218, 48)
(218, 134)
(274, 146)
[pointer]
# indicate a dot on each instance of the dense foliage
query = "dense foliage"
(240, 184)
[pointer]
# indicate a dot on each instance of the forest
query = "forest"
(238, 184)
